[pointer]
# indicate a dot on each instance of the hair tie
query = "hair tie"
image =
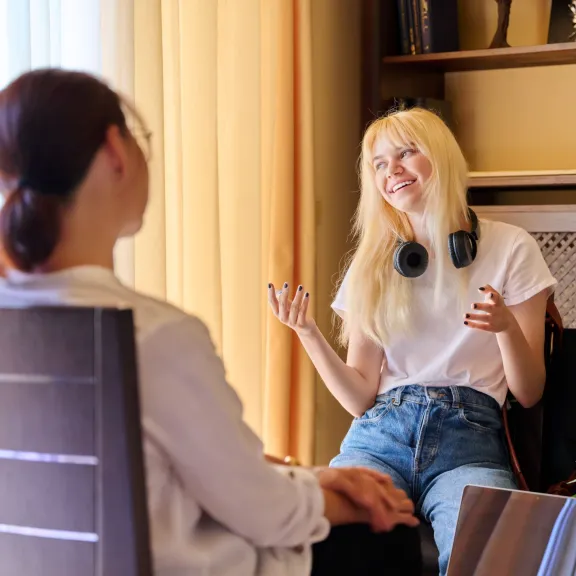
(27, 184)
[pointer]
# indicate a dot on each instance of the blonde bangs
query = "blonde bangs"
(397, 130)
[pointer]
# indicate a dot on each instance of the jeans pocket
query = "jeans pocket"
(376, 413)
(481, 418)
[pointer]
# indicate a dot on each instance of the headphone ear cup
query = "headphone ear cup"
(462, 248)
(410, 259)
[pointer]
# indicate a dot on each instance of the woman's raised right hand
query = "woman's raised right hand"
(292, 312)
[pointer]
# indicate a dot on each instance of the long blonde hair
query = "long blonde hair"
(377, 297)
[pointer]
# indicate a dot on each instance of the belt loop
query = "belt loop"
(398, 395)
(456, 403)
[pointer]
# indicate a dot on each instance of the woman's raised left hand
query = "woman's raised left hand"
(492, 315)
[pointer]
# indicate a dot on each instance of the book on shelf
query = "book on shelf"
(417, 25)
(562, 22)
(427, 26)
(404, 27)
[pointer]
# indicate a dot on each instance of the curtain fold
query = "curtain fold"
(117, 59)
(304, 405)
(288, 216)
(150, 246)
(225, 87)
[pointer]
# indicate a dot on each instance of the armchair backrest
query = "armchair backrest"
(525, 426)
(71, 464)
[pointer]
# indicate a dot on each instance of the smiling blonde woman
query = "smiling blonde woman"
(442, 315)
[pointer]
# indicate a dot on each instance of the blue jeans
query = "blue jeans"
(432, 442)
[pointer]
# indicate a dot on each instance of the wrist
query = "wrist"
(512, 328)
(311, 333)
(338, 510)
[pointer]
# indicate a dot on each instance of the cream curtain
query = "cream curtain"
(225, 86)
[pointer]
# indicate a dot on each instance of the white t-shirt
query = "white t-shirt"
(442, 351)
(216, 507)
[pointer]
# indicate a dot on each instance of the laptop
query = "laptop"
(514, 533)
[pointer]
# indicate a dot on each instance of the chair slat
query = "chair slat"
(25, 334)
(55, 417)
(47, 495)
(45, 556)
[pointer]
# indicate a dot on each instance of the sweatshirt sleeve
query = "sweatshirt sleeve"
(197, 418)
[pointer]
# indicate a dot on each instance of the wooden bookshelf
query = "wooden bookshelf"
(559, 218)
(523, 179)
(386, 75)
(491, 59)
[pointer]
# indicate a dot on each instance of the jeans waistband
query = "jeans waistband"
(458, 396)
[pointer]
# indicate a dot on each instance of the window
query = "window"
(42, 33)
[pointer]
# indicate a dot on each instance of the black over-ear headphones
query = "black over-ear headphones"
(411, 258)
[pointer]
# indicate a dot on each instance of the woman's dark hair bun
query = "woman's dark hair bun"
(30, 227)
(52, 123)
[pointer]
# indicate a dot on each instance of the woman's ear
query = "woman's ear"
(115, 149)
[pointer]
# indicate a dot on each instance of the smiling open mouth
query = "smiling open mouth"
(401, 185)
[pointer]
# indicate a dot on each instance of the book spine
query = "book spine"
(411, 35)
(425, 26)
(439, 24)
(417, 26)
(404, 29)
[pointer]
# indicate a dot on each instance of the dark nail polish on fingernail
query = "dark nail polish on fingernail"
(482, 288)
(306, 295)
(474, 306)
(491, 295)
(299, 288)
(465, 322)
(269, 286)
(467, 316)
(285, 284)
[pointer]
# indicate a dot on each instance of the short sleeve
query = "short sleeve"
(339, 303)
(527, 274)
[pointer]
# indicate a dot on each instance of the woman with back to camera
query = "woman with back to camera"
(75, 180)
(441, 314)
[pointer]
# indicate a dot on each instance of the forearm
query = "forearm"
(345, 383)
(524, 369)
